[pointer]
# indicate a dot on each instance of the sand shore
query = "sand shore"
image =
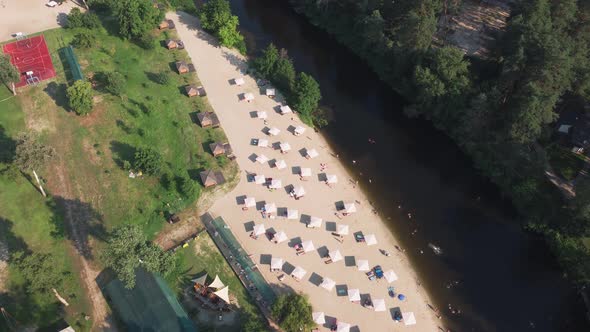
(217, 67)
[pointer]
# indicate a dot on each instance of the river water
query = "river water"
(507, 280)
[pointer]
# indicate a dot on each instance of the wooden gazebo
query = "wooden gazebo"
(182, 67)
(193, 91)
(208, 119)
(166, 24)
(210, 178)
(219, 148)
(172, 44)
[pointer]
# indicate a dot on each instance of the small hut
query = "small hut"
(219, 148)
(211, 178)
(192, 91)
(167, 24)
(208, 119)
(171, 44)
(182, 67)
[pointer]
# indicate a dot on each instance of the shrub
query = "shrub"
(84, 39)
(80, 97)
(146, 41)
(148, 161)
(187, 187)
(293, 312)
(91, 21)
(114, 83)
(136, 17)
(75, 19)
(161, 78)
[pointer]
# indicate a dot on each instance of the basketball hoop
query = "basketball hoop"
(32, 80)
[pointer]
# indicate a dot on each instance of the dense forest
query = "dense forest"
(499, 110)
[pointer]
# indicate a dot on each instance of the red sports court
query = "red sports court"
(30, 55)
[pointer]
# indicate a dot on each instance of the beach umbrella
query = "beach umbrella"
(335, 255)
(305, 172)
(261, 159)
(259, 229)
(401, 297)
(354, 295)
(239, 80)
(263, 143)
(292, 214)
(286, 109)
(298, 273)
(363, 265)
(342, 229)
(342, 327)
(275, 184)
(299, 130)
(270, 92)
(276, 263)
(262, 115)
(285, 147)
(318, 317)
(274, 131)
(299, 191)
(248, 96)
(409, 318)
(270, 207)
(216, 283)
(370, 239)
(280, 236)
(390, 276)
(259, 179)
(328, 284)
(312, 153)
(223, 294)
(307, 246)
(250, 201)
(281, 164)
(349, 207)
(379, 305)
(315, 222)
(331, 178)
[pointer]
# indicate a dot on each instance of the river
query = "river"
(507, 279)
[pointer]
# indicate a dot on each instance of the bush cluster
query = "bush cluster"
(77, 19)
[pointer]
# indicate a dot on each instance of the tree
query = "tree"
(148, 161)
(293, 312)
(306, 94)
(84, 39)
(283, 74)
(136, 17)
(80, 97)
(128, 249)
(216, 17)
(41, 271)
(30, 154)
(77, 19)
(187, 187)
(266, 63)
(9, 74)
(114, 83)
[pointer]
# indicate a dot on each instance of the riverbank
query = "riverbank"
(216, 68)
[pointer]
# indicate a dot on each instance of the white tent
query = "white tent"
(259, 229)
(250, 201)
(298, 273)
(280, 236)
(315, 222)
(248, 96)
(292, 214)
(263, 143)
(312, 153)
(363, 265)
(342, 327)
(275, 184)
(239, 80)
(342, 229)
(390, 276)
(318, 317)
(223, 294)
(409, 318)
(262, 159)
(276, 263)
(349, 207)
(260, 179)
(332, 178)
(286, 109)
(285, 147)
(270, 207)
(270, 92)
(328, 284)
(370, 239)
(379, 304)
(299, 130)
(299, 191)
(274, 131)
(354, 295)
(262, 115)
(305, 172)
(335, 255)
(216, 283)
(200, 280)
(307, 246)
(281, 164)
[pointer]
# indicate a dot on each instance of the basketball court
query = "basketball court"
(32, 58)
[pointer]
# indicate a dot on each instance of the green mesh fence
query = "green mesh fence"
(149, 306)
(68, 53)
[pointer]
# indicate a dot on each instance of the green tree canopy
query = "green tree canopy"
(41, 271)
(80, 97)
(136, 17)
(128, 248)
(84, 39)
(283, 75)
(148, 160)
(216, 17)
(9, 74)
(267, 61)
(306, 94)
(114, 83)
(30, 154)
(293, 312)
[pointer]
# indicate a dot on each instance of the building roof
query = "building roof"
(181, 66)
(211, 178)
(208, 119)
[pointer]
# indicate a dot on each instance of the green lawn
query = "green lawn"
(203, 256)
(566, 163)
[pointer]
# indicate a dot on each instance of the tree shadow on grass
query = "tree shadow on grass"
(57, 92)
(10, 242)
(122, 152)
(7, 147)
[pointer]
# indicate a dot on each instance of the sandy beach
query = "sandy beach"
(216, 68)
